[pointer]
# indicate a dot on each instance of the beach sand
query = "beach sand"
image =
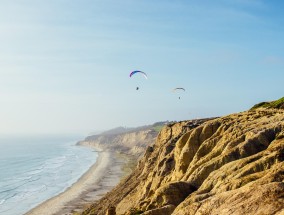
(97, 181)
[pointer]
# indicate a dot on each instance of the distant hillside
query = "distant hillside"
(278, 104)
(132, 141)
(120, 130)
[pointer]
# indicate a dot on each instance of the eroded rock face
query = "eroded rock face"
(229, 165)
(133, 143)
(171, 194)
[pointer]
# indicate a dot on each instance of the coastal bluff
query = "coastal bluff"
(130, 141)
(228, 165)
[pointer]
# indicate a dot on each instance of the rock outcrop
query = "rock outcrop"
(228, 165)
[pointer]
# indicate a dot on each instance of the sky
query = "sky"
(65, 64)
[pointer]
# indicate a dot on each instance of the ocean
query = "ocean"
(35, 169)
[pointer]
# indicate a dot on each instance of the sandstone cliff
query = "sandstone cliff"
(229, 165)
(132, 141)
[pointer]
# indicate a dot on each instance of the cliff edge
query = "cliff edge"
(229, 165)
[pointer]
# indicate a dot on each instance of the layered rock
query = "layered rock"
(229, 165)
(132, 142)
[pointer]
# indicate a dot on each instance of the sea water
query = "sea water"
(34, 169)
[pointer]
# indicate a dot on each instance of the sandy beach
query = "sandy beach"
(98, 180)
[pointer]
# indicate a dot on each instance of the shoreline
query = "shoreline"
(100, 178)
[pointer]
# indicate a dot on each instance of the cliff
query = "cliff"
(132, 141)
(229, 165)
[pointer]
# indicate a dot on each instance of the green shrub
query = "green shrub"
(274, 104)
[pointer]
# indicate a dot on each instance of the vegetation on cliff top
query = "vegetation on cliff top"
(279, 104)
(122, 130)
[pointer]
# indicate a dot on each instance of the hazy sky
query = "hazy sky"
(65, 64)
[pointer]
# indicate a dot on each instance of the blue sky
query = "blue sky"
(65, 64)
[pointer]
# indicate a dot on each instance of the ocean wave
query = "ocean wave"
(9, 189)
(12, 188)
(2, 201)
(21, 161)
(41, 177)
(35, 171)
(15, 180)
(55, 163)
(9, 196)
(25, 194)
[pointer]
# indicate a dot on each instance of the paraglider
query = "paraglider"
(178, 89)
(138, 72)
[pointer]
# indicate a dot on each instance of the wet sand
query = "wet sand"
(97, 181)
